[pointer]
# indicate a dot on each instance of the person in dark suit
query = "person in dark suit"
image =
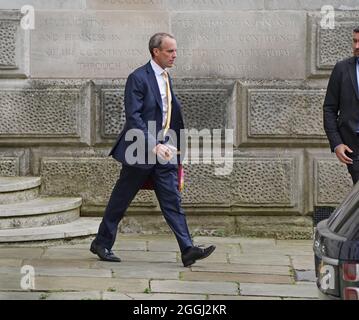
(341, 110)
(152, 110)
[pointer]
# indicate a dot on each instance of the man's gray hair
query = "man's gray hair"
(156, 40)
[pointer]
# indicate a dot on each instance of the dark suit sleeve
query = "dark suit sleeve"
(331, 108)
(134, 97)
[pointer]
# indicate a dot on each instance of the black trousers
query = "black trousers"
(354, 171)
(166, 188)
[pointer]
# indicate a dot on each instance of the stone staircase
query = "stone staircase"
(27, 216)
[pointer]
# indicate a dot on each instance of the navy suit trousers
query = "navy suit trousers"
(166, 188)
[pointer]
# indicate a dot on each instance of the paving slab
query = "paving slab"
(298, 251)
(307, 275)
(20, 295)
(299, 243)
(59, 263)
(201, 287)
(11, 282)
(147, 256)
(65, 253)
(106, 295)
(94, 284)
(11, 262)
(260, 259)
(303, 262)
(21, 253)
(158, 245)
(89, 295)
(238, 268)
(145, 272)
(166, 296)
(215, 257)
(61, 272)
(233, 240)
(236, 277)
(221, 297)
(131, 245)
(279, 290)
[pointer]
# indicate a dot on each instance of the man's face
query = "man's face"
(166, 55)
(356, 44)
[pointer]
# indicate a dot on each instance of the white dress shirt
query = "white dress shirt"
(162, 86)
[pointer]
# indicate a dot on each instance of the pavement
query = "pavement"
(151, 268)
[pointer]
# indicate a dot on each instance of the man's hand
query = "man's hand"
(163, 151)
(340, 153)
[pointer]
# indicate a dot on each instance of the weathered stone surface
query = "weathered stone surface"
(281, 290)
(146, 271)
(11, 262)
(92, 44)
(14, 45)
(156, 224)
(285, 113)
(280, 227)
(20, 295)
(264, 179)
(173, 286)
(43, 4)
(309, 4)
(331, 181)
(79, 227)
(308, 275)
(153, 5)
(247, 44)
(91, 295)
(58, 263)
(203, 187)
(237, 268)
(157, 245)
(91, 178)
(303, 262)
(273, 260)
(21, 253)
(166, 296)
(44, 112)
(9, 167)
(277, 112)
(219, 297)
(14, 161)
(235, 277)
(63, 253)
(329, 45)
(108, 59)
(82, 284)
(206, 104)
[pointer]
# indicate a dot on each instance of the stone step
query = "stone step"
(18, 189)
(39, 212)
(78, 228)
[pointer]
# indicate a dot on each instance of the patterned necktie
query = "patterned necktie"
(169, 102)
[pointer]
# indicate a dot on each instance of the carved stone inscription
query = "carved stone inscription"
(240, 44)
(92, 44)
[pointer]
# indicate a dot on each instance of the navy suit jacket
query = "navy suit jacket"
(341, 106)
(143, 103)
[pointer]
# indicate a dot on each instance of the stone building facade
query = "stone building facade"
(258, 67)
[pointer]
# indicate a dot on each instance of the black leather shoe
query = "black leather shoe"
(192, 254)
(103, 253)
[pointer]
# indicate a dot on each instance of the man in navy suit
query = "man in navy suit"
(341, 110)
(152, 110)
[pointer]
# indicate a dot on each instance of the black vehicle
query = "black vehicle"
(336, 251)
